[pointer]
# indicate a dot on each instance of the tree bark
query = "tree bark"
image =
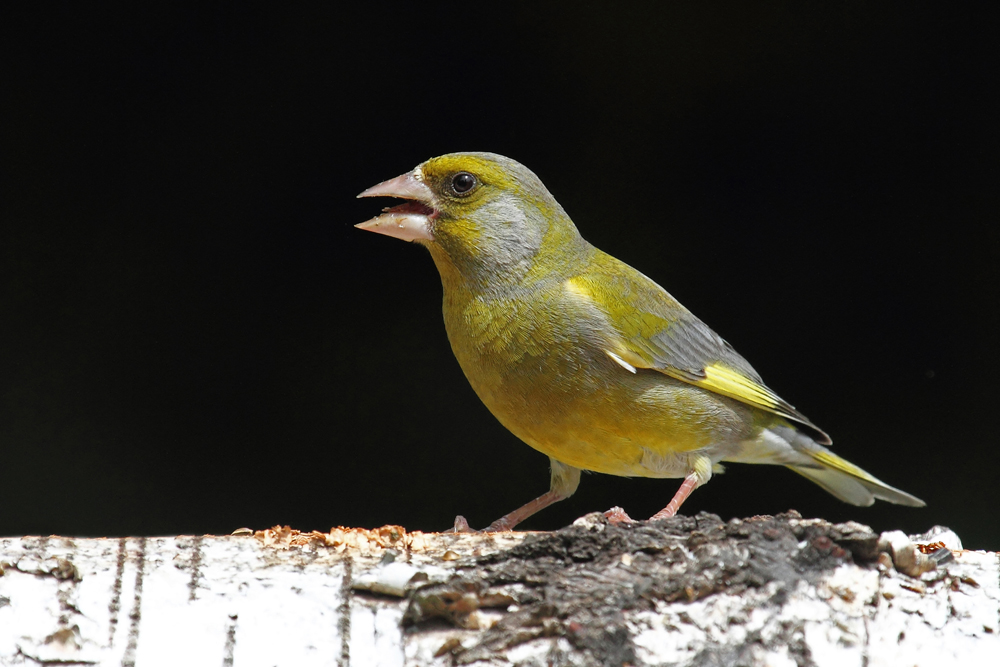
(775, 591)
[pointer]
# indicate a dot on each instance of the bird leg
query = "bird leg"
(508, 521)
(701, 472)
(618, 516)
(563, 484)
(689, 484)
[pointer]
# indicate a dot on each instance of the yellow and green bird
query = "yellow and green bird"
(584, 358)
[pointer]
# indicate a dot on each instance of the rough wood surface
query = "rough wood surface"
(775, 591)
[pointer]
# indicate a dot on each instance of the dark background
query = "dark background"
(194, 338)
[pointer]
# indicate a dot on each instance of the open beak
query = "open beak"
(412, 221)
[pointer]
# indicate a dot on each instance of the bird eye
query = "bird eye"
(463, 182)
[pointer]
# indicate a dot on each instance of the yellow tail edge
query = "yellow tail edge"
(850, 483)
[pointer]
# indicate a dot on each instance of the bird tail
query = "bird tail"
(847, 481)
(786, 445)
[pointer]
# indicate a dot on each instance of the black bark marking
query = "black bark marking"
(128, 660)
(344, 623)
(230, 647)
(195, 568)
(116, 593)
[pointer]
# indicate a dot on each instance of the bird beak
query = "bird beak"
(412, 221)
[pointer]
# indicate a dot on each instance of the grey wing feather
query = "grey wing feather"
(685, 346)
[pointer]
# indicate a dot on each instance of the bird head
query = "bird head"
(482, 215)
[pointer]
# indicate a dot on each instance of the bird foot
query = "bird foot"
(501, 525)
(618, 516)
(460, 526)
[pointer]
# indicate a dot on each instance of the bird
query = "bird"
(583, 357)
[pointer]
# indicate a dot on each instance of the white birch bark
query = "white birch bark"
(283, 598)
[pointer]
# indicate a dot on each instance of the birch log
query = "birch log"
(777, 591)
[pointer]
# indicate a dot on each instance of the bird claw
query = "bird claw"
(618, 516)
(461, 526)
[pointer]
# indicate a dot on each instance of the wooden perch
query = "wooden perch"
(778, 591)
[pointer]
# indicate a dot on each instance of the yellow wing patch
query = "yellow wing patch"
(726, 381)
(730, 383)
(643, 347)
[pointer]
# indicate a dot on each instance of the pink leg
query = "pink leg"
(687, 486)
(508, 521)
(565, 479)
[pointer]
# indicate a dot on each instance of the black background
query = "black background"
(194, 337)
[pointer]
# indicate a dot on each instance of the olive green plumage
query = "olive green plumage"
(583, 357)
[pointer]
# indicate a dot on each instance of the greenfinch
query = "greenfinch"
(584, 358)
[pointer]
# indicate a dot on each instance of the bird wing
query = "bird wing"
(655, 331)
